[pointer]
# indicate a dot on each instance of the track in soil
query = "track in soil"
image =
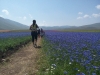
(22, 62)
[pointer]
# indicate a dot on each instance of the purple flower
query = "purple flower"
(65, 72)
(82, 73)
(76, 47)
(93, 73)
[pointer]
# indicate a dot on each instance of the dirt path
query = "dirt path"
(23, 62)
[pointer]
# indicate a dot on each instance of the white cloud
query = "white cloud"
(79, 17)
(96, 15)
(5, 11)
(43, 23)
(98, 6)
(86, 16)
(30, 16)
(80, 13)
(24, 18)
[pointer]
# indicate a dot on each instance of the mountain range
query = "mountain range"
(95, 26)
(6, 24)
(88, 27)
(56, 27)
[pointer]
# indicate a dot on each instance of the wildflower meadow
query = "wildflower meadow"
(71, 53)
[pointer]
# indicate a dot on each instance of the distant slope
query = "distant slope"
(6, 24)
(55, 27)
(95, 26)
(90, 26)
(67, 27)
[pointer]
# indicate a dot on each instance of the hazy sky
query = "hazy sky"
(51, 12)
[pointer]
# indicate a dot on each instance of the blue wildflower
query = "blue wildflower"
(93, 73)
(65, 72)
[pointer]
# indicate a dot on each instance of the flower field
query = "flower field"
(10, 41)
(71, 53)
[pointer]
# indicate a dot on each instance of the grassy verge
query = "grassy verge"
(43, 61)
(9, 43)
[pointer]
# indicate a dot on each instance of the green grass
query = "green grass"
(9, 43)
(44, 60)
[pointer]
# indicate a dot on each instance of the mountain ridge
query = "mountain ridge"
(6, 24)
(83, 27)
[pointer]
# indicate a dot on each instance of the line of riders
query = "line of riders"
(36, 33)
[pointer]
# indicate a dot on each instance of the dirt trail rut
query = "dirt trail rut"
(23, 62)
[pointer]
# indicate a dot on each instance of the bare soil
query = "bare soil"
(22, 62)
